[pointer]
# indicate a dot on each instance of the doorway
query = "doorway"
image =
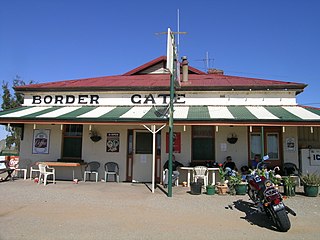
(142, 156)
(272, 140)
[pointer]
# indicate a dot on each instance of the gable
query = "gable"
(157, 66)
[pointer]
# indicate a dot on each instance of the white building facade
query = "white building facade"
(214, 116)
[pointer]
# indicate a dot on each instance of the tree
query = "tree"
(10, 101)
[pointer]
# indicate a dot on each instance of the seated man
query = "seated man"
(255, 161)
(229, 166)
(175, 172)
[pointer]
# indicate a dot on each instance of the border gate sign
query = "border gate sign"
(170, 51)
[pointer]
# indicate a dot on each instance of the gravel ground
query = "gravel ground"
(90, 210)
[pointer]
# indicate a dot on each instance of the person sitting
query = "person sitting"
(229, 166)
(244, 172)
(175, 172)
(255, 161)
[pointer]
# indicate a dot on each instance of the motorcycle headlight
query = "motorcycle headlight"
(268, 183)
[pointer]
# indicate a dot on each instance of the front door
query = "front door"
(142, 156)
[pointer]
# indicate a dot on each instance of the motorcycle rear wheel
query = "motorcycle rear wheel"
(282, 220)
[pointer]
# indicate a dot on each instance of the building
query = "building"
(214, 116)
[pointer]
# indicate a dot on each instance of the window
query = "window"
(143, 143)
(203, 143)
(130, 142)
(255, 144)
(273, 146)
(158, 143)
(72, 142)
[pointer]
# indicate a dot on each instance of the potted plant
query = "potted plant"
(222, 185)
(311, 183)
(275, 178)
(95, 136)
(211, 189)
(289, 186)
(237, 185)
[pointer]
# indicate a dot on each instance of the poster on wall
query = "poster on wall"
(113, 142)
(290, 144)
(176, 142)
(41, 141)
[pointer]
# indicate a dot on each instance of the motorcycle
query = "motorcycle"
(266, 196)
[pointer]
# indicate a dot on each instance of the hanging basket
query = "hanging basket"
(95, 138)
(232, 140)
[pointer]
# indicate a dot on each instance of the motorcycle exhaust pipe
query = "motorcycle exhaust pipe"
(289, 210)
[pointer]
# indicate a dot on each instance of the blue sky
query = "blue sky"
(46, 41)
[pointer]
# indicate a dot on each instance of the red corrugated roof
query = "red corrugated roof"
(197, 80)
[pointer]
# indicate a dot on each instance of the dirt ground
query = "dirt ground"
(90, 210)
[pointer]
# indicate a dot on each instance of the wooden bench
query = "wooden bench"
(4, 168)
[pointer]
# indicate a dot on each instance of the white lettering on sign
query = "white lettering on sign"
(67, 99)
(150, 99)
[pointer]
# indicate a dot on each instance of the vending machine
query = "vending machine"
(309, 160)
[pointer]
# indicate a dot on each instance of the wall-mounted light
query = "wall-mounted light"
(217, 128)
(61, 127)
(34, 126)
(90, 127)
(250, 128)
(283, 129)
(184, 128)
(311, 129)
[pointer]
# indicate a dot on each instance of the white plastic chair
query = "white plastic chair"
(92, 168)
(46, 171)
(165, 175)
(200, 172)
(111, 168)
(34, 168)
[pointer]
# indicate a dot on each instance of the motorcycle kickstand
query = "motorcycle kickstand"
(289, 210)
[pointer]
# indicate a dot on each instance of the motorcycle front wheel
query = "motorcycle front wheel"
(281, 220)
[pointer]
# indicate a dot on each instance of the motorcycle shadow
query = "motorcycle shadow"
(253, 215)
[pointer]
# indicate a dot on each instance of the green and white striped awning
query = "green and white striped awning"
(144, 114)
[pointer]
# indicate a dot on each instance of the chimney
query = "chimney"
(215, 71)
(185, 69)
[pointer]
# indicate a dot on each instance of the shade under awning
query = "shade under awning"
(216, 114)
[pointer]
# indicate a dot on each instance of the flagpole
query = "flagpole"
(170, 135)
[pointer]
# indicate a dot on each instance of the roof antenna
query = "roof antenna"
(207, 61)
(178, 37)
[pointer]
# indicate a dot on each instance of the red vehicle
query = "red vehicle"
(268, 199)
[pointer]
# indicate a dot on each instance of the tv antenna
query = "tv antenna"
(208, 62)
(178, 33)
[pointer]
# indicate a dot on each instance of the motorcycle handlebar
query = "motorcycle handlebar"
(262, 161)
